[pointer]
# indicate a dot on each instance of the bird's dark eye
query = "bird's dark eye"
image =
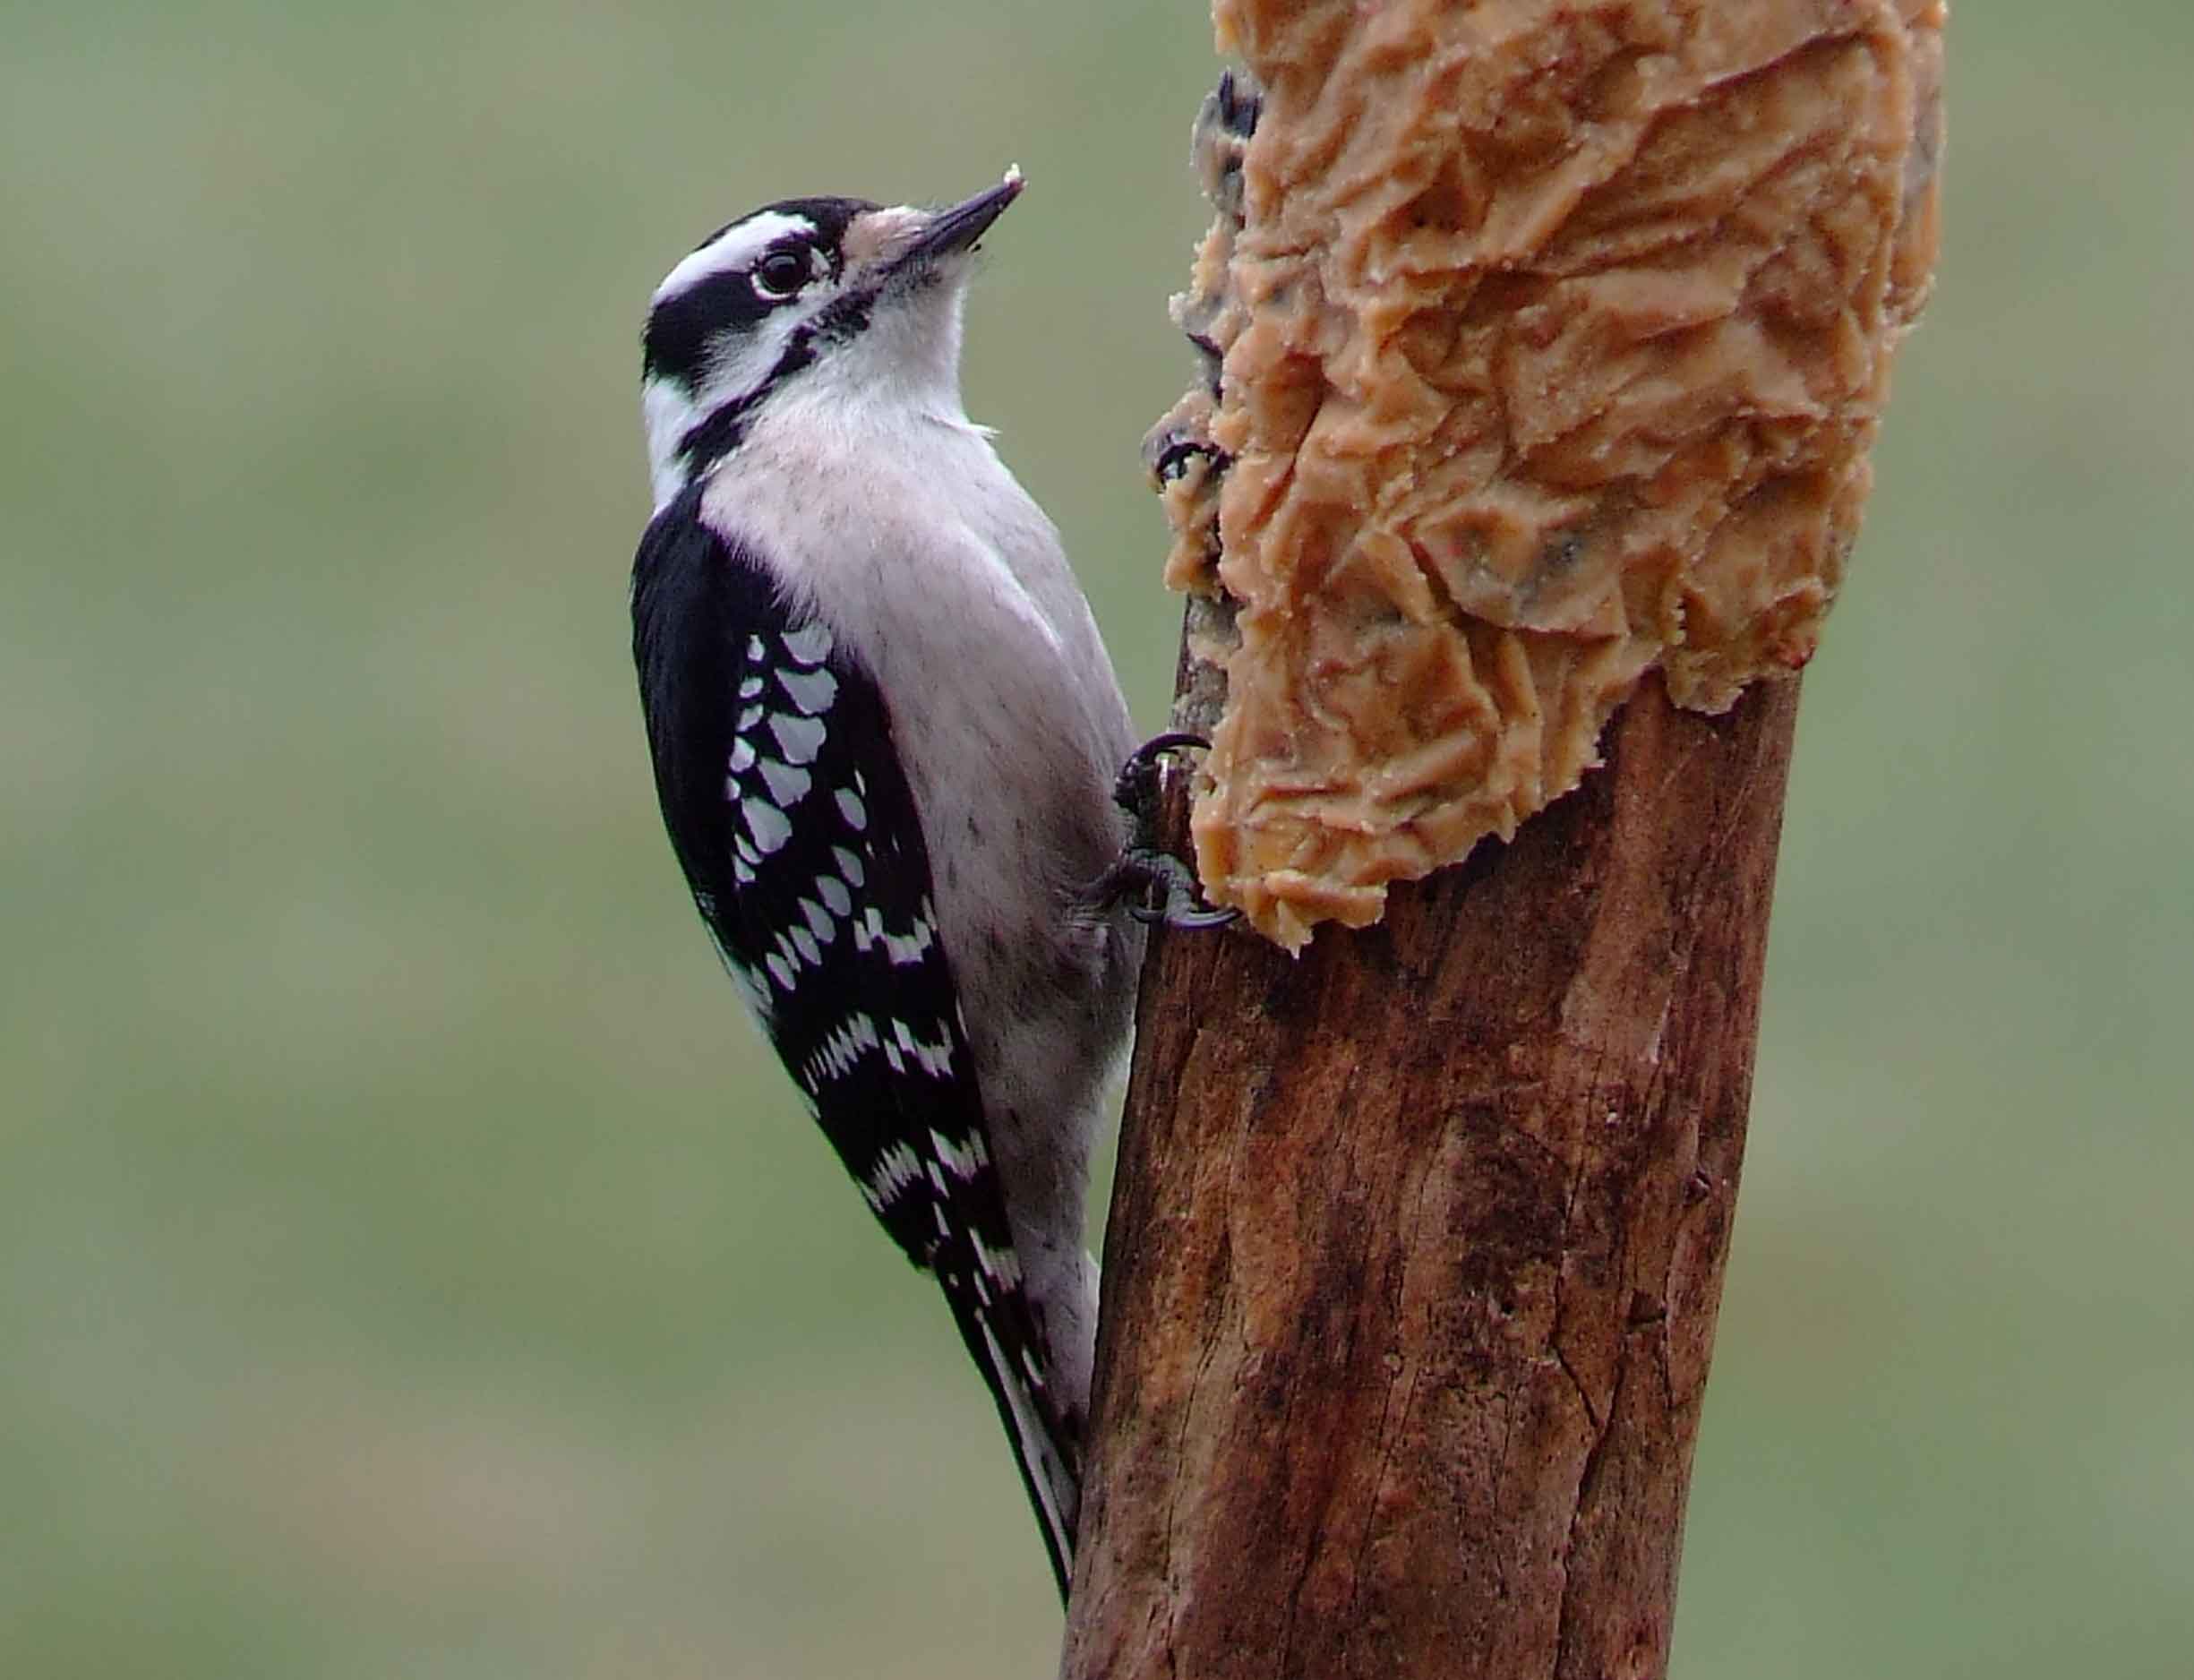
(781, 273)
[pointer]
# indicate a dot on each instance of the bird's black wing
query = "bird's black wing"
(798, 833)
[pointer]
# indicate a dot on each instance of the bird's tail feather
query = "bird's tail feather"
(1000, 1335)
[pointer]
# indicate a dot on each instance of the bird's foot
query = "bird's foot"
(1158, 887)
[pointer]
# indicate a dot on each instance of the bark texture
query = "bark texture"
(1418, 1242)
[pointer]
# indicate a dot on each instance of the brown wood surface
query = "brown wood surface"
(1417, 1245)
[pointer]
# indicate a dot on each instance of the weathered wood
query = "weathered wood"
(1409, 1309)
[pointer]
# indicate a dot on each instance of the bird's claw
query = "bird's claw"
(1167, 886)
(1165, 877)
(1135, 790)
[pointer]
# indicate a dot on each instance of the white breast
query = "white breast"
(893, 520)
(906, 534)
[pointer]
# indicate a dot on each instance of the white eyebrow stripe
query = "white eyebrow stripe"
(735, 248)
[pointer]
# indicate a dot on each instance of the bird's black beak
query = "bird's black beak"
(957, 230)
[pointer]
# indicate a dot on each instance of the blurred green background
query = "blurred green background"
(409, 1262)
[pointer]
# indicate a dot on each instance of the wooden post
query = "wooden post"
(1544, 345)
(1409, 1308)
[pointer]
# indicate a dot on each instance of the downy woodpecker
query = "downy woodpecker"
(885, 733)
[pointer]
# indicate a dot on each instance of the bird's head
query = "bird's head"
(838, 299)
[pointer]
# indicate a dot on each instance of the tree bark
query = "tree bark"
(1417, 1245)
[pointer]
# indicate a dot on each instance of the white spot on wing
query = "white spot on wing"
(1003, 1267)
(787, 785)
(849, 865)
(850, 807)
(810, 645)
(769, 826)
(898, 1170)
(903, 949)
(931, 1057)
(966, 1164)
(909, 949)
(843, 1048)
(810, 690)
(799, 739)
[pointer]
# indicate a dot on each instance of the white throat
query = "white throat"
(906, 364)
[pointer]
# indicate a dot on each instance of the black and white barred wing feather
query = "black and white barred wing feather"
(800, 838)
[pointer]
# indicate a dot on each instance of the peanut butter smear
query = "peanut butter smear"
(1547, 343)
